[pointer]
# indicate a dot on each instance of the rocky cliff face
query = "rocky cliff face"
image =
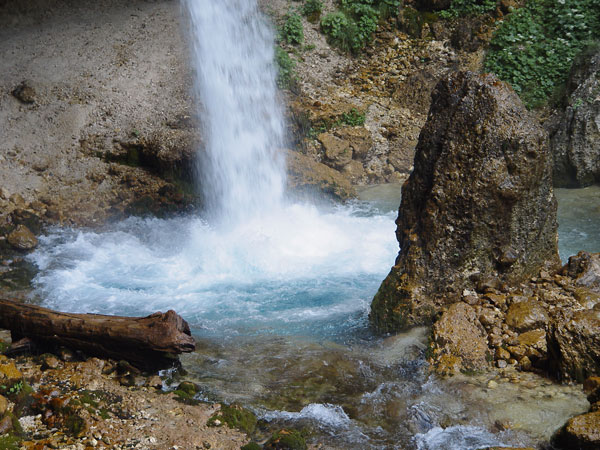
(478, 205)
(575, 130)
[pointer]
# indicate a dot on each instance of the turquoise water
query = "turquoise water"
(578, 220)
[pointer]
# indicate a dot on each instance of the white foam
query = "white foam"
(295, 265)
(459, 437)
(323, 414)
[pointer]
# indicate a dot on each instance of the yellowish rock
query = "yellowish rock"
(10, 371)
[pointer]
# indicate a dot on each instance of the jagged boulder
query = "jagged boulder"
(584, 268)
(575, 130)
(580, 432)
(478, 204)
(574, 345)
(459, 334)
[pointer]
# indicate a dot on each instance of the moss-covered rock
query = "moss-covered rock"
(234, 416)
(286, 440)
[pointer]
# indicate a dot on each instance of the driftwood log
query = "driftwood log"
(146, 342)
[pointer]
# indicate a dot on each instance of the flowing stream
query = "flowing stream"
(278, 292)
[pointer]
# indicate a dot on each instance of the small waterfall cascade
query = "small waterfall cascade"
(242, 172)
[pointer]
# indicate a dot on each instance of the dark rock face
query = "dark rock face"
(575, 130)
(574, 344)
(478, 204)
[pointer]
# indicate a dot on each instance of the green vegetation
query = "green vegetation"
(286, 76)
(354, 118)
(460, 8)
(292, 31)
(8, 442)
(534, 48)
(312, 8)
(287, 439)
(234, 416)
(351, 28)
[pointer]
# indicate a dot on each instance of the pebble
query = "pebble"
(492, 384)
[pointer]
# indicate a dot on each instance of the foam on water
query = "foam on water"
(286, 271)
(323, 414)
(456, 437)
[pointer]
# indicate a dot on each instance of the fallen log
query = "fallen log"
(146, 342)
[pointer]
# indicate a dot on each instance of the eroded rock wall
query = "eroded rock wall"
(575, 130)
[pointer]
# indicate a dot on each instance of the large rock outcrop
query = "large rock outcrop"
(575, 130)
(479, 203)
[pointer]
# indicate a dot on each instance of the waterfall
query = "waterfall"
(242, 174)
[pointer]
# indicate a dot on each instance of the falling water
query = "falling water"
(242, 172)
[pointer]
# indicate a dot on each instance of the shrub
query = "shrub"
(534, 48)
(460, 8)
(352, 27)
(312, 7)
(353, 118)
(292, 30)
(285, 68)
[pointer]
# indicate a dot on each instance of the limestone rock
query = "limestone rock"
(359, 139)
(525, 316)
(306, 176)
(354, 170)
(337, 151)
(5, 425)
(458, 333)
(22, 238)
(25, 92)
(575, 130)
(584, 268)
(574, 345)
(580, 432)
(3, 405)
(478, 204)
(9, 371)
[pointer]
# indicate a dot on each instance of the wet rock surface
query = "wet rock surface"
(459, 333)
(575, 129)
(478, 205)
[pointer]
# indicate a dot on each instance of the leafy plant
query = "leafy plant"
(312, 7)
(353, 118)
(534, 48)
(351, 28)
(459, 8)
(286, 75)
(292, 30)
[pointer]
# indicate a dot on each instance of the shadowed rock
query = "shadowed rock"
(478, 204)
(575, 130)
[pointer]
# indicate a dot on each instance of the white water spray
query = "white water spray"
(242, 172)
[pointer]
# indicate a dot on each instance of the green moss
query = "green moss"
(3, 346)
(75, 425)
(235, 416)
(286, 440)
(251, 446)
(8, 442)
(88, 398)
(185, 398)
